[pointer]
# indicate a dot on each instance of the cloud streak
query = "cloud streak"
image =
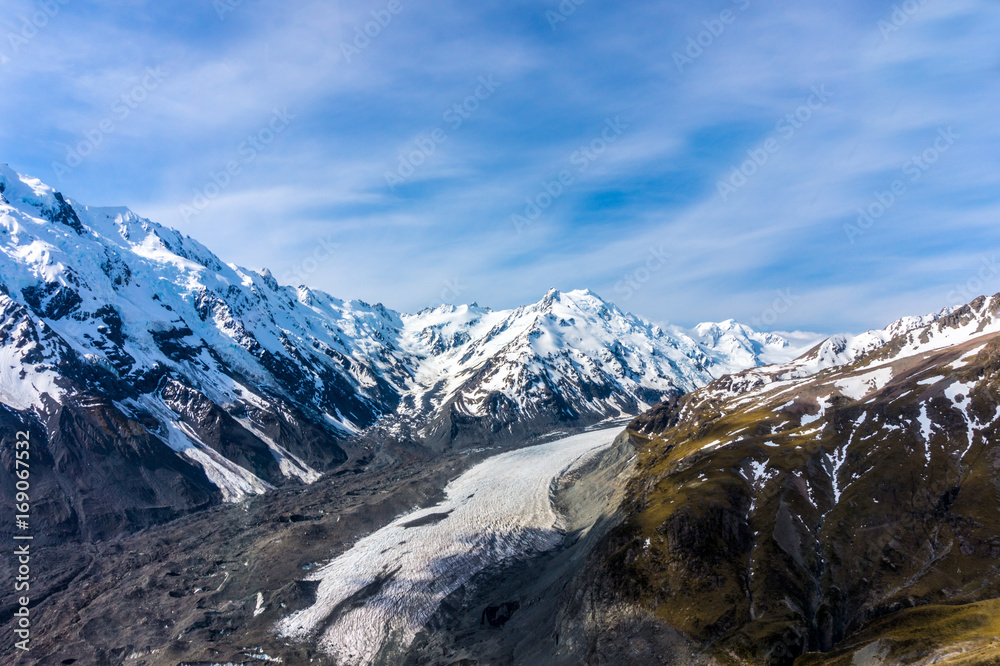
(323, 178)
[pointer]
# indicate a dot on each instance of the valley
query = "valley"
(228, 470)
(375, 598)
(233, 583)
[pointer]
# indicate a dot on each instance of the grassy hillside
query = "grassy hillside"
(858, 505)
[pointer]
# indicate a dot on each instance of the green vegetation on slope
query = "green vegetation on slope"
(799, 518)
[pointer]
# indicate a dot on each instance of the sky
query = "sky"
(795, 166)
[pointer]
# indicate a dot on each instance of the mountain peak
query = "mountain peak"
(579, 299)
(143, 301)
(584, 294)
(553, 295)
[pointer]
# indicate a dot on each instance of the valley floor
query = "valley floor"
(374, 599)
(334, 560)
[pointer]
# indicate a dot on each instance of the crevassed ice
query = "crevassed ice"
(383, 590)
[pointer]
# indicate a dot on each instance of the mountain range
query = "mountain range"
(843, 508)
(773, 498)
(163, 380)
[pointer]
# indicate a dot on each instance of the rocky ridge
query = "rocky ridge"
(841, 507)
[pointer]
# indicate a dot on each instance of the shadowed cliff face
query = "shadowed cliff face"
(772, 516)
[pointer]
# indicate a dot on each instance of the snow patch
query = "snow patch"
(926, 427)
(860, 386)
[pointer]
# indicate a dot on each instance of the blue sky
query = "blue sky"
(144, 104)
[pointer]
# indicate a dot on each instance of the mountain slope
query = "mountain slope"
(571, 357)
(216, 373)
(145, 358)
(806, 506)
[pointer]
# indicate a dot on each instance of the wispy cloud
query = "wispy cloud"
(357, 112)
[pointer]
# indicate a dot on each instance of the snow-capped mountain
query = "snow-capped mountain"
(845, 349)
(571, 356)
(132, 349)
(824, 504)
